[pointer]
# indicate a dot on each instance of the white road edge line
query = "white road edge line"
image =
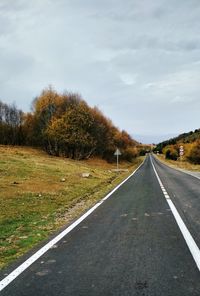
(16, 272)
(178, 169)
(194, 249)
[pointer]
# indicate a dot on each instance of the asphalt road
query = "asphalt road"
(130, 245)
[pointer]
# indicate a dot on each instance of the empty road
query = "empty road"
(130, 245)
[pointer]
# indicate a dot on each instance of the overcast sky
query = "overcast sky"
(137, 60)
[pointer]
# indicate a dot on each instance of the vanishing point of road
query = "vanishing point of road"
(130, 245)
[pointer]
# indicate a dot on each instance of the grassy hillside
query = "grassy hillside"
(40, 193)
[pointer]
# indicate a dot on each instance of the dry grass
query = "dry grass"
(35, 203)
(185, 165)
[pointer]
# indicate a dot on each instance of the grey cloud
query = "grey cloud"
(8, 5)
(156, 43)
(14, 64)
(6, 27)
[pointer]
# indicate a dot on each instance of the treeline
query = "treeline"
(64, 125)
(11, 122)
(191, 145)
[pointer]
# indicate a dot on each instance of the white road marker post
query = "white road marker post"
(181, 152)
(117, 153)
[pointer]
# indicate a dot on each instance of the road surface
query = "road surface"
(130, 245)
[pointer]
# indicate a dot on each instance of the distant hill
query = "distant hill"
(190, 150)
(189, 137)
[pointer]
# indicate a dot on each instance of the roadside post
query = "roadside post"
(117, 153)
(181, 152)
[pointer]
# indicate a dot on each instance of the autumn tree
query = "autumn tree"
(194, 155)
(102, 131)
(71, 135)
(11, 120)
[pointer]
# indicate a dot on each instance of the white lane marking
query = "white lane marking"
(15, 273)
(179, 170)
(194, 249)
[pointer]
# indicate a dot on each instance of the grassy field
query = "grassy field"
(39, 194)
(185, 165)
